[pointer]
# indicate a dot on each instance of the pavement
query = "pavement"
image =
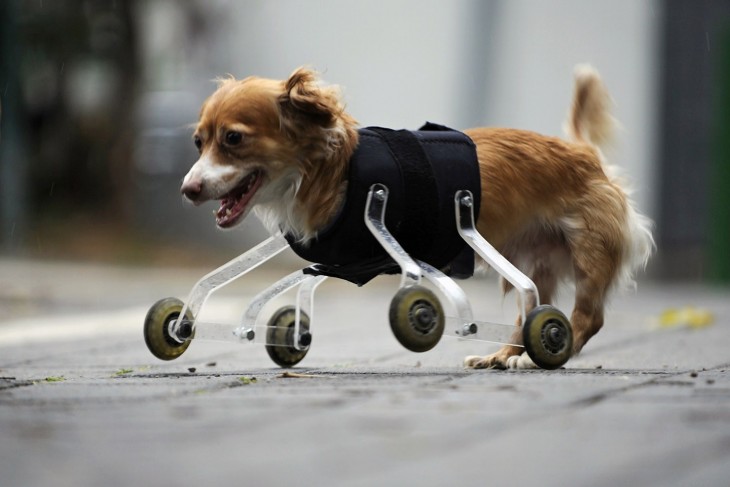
(83, 403)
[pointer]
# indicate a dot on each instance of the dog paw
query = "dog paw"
(521, 362)
(500, 360)
(488, 362)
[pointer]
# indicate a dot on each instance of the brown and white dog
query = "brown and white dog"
(548, 205)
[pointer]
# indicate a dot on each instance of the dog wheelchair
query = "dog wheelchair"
(383, 244)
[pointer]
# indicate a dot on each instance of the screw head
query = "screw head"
(185, 329)
(424, 315)
(305, 339)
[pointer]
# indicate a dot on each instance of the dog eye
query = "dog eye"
(233, 138)
(198, 142)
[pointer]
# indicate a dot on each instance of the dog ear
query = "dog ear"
(304, 100)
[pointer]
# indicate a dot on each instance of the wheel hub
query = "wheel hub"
(185, 329)
(169, 331)
(554, 337)
(423, 317)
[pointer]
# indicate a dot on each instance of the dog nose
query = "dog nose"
(192, 189)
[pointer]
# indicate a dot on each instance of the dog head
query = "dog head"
(265, 143)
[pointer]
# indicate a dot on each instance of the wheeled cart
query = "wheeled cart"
(417, 316)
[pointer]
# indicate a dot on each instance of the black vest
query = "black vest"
(423, 170)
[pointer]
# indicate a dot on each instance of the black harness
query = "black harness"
(423, 170)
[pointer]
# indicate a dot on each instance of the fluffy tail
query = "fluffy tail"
(589, 119)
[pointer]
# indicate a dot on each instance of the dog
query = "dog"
(551, 206)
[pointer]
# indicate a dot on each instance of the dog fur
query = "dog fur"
(549, 205)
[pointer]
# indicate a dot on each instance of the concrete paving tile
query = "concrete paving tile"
(82, 402)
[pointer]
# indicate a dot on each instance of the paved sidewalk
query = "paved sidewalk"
(83, 403)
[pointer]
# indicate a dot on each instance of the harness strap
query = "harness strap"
(421, 197)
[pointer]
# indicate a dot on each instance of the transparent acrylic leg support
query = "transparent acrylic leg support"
(375, 221)
(461, 325)
(224, 275)
(465, 221)
(304, 304)
(249, 330)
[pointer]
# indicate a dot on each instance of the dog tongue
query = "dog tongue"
(227, 205)
(235, 202)
(230, 209)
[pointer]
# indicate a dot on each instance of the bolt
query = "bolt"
(305, 339)
(466, 201)
(247, 333)
(469, 329)
(424, 316)
(185, 330)
(555, 335)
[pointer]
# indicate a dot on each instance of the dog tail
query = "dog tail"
(589, 119)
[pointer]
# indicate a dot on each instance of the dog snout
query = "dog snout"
(192, 189)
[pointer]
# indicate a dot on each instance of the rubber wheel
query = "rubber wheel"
(416, 318)
(156, 331)
(548, 337)
(280, 337)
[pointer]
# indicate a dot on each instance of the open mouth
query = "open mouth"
(235, 204)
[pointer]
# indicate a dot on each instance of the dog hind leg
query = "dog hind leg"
(510, 356)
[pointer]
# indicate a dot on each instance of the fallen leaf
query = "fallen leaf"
(688, 316)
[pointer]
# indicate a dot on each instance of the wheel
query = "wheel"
(156, 329)
(548, 337)
(416, 318)
(280, 337)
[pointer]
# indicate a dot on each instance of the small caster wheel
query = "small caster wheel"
(280, 337)
(157, 329)
(548, 337)
(416, 318)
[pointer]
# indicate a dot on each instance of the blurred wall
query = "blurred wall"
(75, 159)
(540, 42)
(465, 63)
(693, 224)
(461, 63)
(68, 78)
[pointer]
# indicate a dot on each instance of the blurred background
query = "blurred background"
(97, 98)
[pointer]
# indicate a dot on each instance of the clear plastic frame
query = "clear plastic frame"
(460, 320)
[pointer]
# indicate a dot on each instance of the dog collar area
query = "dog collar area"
(423, 170)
